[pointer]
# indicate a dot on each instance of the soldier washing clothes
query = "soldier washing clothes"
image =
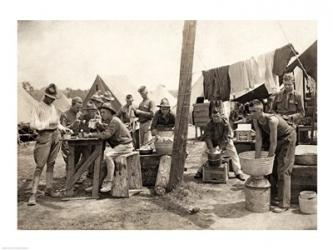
(282, 137)
(218, 134)
(163, 118)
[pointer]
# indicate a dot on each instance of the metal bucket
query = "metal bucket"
(308, 202)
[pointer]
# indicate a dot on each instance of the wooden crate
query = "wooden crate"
(201, 114)
(149, 169)
(215, 175)
(302, 178)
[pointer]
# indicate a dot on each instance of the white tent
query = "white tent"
(161, 92)
(121, 87)
(25, 104)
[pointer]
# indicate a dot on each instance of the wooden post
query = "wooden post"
(183, 106)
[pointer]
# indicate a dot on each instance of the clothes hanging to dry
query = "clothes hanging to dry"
(217, 83)
(252, 69)
(238, 77)
(266, 75)
(282, 57)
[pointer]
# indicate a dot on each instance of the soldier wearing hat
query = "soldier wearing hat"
(45, 120)
(107, 97)
(97, 100)
(70, 119)
(288, 103)
(145, 112)
(114, 131)
(163, 118)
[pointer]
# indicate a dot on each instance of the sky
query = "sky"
(72, 53)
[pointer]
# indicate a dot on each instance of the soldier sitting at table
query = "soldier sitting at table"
(114, 131)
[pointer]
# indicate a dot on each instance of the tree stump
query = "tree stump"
(134, 170)
(120, 188)
(163, 175)
(127, 174)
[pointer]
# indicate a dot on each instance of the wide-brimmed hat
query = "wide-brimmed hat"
(164, 103)
(107, 97)
(51, 91)
(108, 106)
(90, 106)
(96, 98)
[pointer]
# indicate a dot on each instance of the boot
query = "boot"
(106, 187)
(53, 194)
(32, 200)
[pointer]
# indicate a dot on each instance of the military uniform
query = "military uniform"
(289, 105)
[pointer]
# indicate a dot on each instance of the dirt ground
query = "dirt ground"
(222, 206)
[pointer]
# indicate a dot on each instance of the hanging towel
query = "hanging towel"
(282, 57)
(217, 83)
(265, 65)
(239, 80)
(253, 75)
(298, 73)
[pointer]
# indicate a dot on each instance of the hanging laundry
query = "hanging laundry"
(239, 80)
(282, 57)
(265, 65)
(217, 83)
(298, 73)
(252, 69)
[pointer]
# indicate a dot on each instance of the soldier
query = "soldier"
(288, 103)
(282, 137)
(46, 120)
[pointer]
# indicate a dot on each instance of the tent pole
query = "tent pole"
(183, 106)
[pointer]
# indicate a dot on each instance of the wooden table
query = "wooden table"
(95, 157)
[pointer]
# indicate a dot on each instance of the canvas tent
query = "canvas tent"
(121, 87)
(161, 92)
(309, 61)
(25, 104)
(100, 85)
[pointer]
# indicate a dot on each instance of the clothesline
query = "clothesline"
(291, 47)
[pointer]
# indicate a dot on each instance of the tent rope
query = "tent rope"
(292, 49)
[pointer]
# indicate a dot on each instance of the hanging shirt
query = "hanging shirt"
(282, 57)
(265, 66)
(239, 80)
(252, 70)
(44, 117)
(216, 84)
(299, 85)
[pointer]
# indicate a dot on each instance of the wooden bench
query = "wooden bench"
(127, 174)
